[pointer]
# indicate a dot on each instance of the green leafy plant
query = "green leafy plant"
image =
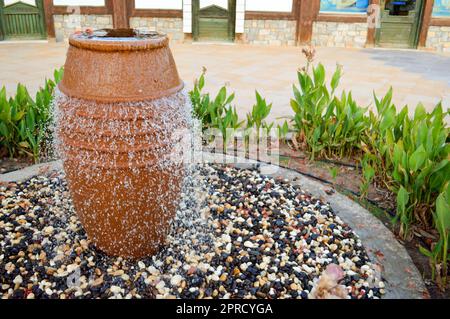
(421, 160)
(256, 123)
(217, 113)
(410, 155)
(283, 130)
(438, 254)
(257, 117)
(24, 121)
(211, 112)
(228, 123)
(10, 117)
(327, 126)
(368, 174)
(385, 128)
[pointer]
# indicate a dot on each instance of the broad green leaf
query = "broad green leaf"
(402, 199)
(201, 82)
(230, 99)
(420, 112)
(319, 75)
(388, 119)
(295, 107)
(443, 211)
(417, 159)
(336, 77)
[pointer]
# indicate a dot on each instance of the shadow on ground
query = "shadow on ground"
(430, 65)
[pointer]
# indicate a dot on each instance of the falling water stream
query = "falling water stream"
(151, 141)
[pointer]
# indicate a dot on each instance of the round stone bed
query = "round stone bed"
(237, 234)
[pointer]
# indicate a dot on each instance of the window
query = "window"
(344, 6)
(269, 5)
(159, 4)
(219, 3)
(400, 7)
(441, 8)
(32, 2)
(92, 3)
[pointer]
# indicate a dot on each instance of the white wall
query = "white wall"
(220, 3)
(187, 16)
(159, 4)
(93, 3)
(251, 5)
(240, 16)
(269, 5)
(8, 2)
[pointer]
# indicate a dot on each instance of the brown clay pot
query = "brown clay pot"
(120, 105)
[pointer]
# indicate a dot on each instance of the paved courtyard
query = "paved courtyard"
(415, 75)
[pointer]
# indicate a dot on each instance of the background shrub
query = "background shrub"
(24, 121)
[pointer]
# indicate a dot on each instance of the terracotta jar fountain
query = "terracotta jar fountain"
(120, 104)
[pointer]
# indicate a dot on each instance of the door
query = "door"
(22, 20)
(213, 20)
(400, 23)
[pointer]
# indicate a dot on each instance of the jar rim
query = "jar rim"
(119, 40)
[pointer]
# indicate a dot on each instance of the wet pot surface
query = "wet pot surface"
(120, 111)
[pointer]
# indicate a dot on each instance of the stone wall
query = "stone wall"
(439, 38)
(66, 24)
(173, 27)
(338, 34)
(270, 32)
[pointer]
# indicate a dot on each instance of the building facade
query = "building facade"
(423, 24)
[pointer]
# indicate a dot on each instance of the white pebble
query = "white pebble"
(152, 270)
(214, 277)
(48, 230)
(249, 244)
(272, 277)
(307, 269)
(365, 268)
(115, 289)
(160, 285)
(18, 280)
(244, 267)
(226, 238)
(176, 280)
